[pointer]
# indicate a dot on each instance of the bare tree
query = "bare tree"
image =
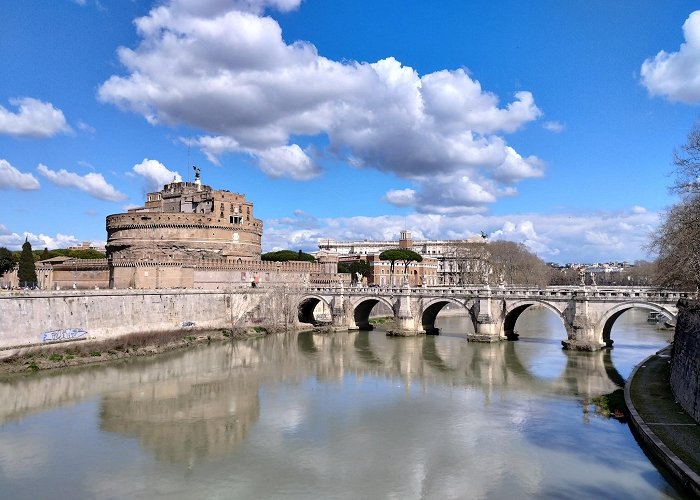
(516, 265)
(677, 241)
(463, 263)
(687, 165)
(641, 274)
(677, 245)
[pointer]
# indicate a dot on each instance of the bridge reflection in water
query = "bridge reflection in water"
(200, 406)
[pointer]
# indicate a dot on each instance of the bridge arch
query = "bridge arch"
(362, 308)
(306, 307)
(513, 311)
(608, 320)
(433, 307)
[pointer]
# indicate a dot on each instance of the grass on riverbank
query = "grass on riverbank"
(382, 321)
(77, 353)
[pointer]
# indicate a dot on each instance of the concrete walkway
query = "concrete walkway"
(663, 428)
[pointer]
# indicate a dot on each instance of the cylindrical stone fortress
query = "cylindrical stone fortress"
(186, 222)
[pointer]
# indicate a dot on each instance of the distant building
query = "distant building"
(445, 262)
(88, 245)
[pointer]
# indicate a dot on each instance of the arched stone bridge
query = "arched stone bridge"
(588, 313)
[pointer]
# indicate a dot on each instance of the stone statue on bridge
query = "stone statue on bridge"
(582, 276)
(485, 275)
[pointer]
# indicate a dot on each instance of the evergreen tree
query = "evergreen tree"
(45, 254)
(6, 260)
(287, 255)
(27, 272)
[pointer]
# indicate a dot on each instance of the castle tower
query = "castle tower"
(405, 241)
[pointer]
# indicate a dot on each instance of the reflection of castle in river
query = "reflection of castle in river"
(200, 404)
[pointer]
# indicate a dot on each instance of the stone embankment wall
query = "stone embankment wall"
(685, 364)
(26, 317)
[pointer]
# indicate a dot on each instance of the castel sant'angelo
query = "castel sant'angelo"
(187, 235)
(186, 222)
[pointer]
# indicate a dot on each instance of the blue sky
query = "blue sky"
(549, 123)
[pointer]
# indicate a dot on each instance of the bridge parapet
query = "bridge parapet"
(616, 293)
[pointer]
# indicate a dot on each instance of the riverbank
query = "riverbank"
(84, 352)
(662, 427)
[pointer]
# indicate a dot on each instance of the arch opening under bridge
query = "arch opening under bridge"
(307, 307)
(433, 308)
(513, 312)
(362, 311)
(613, 314)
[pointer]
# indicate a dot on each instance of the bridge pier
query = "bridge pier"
(404, 317)
(580, 326)
(339, 316)
(489, 323)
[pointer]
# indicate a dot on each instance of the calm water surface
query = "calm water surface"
(346, 415)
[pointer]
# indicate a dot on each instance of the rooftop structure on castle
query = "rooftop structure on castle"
(186, 222)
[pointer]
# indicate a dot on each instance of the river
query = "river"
(344, 415)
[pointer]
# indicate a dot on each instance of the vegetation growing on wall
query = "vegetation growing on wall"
(287, 255)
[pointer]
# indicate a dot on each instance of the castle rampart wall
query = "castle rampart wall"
(107, 314)
(184, 236)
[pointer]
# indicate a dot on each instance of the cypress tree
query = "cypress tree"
(27, 272)
(45, 254)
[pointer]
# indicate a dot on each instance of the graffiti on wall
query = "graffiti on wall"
(64, 334)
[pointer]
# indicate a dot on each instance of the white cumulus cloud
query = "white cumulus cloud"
(676, 75)
(11, 178)
(34, 118)
(224, 68)
(287, 161)
(156, 174)
(93, 184)
(14, 241)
